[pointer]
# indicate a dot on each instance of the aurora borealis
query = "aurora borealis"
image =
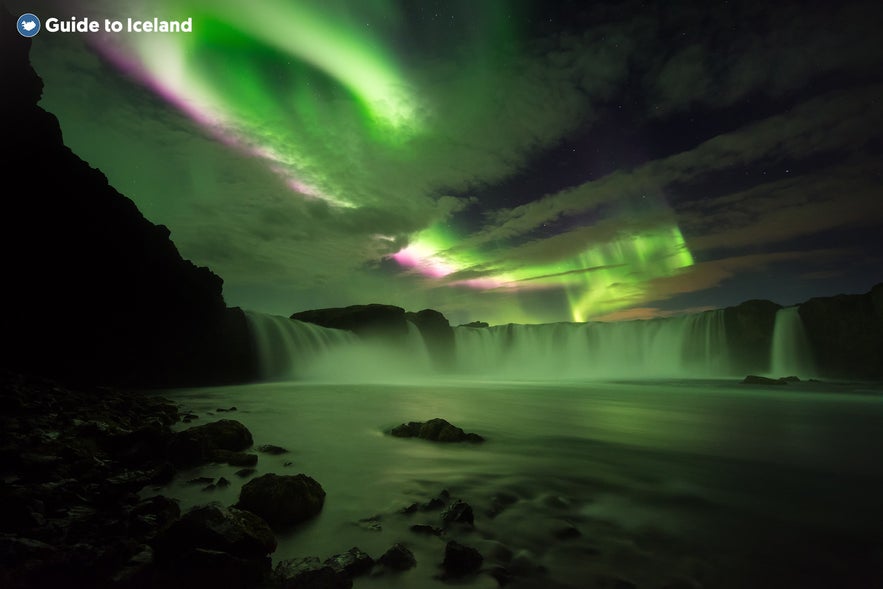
(505, 161)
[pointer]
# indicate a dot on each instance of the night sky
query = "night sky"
(500, 161)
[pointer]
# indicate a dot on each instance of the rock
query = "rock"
(309, 573)
(200, 481)
(436, 430)
(426, 529)
(137, 313)
(153, 515)
(845, 334)
(271, 449)
(458, 512)
(353, 562)
(567, 533)
(763, 380)
(749, 329)
(398, 558)
(245, 472)
(205, 443)
(385, 322)
(475, 324)
(437, 335)
(234, 458)
(460, 559)
(282, 499)
(212, 527)
(222, 483)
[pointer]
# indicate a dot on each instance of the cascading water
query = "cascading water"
(792, 355)
(286, 347)
(677, 347)
(687, 346)
(290, 349)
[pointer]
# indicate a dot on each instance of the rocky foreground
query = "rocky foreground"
(74, 460)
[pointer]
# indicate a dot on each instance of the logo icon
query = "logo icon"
(28, 25)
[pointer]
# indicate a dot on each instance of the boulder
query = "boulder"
(353, 562)
(458, 512)
(309, 573)
(271, 449)
(214, 441)
(282, 499)
(398, 558)
(216, 528)
(460, 559)
(435, 430)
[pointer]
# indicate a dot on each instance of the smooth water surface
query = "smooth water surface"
(580, 484)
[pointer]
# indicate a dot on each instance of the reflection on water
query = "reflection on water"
(701, 482)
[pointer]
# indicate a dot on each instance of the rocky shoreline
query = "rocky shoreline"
(75, 459)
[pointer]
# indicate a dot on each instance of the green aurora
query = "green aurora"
(328, 153)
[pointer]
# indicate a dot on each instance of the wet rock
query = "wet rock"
(435, 430)
(460, 559)
(282, 499)
(200, 481)
(398, 558)
(763, 380)
(426, 529)
(222, 483)
(153, 515)
(372, 524)
(234, 458)
(271, 449)
(567, 533)
(203, 443)
(309, 573)
(458, 512)
(212, 527)
(353, 562)
(245, 472)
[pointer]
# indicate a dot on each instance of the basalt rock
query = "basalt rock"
(219, 441)
(385, 322)
(282, 500)
(129, 309)
(438, 336)
(845, 333)
(435, 430)
(749, 328)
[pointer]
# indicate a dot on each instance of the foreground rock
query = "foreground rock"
(219, 441)
(282, 500)
(398, 558)
(435, 430)
(212, 527)
(71, 463)
(461, 560)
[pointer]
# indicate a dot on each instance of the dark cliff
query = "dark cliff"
(93, 291)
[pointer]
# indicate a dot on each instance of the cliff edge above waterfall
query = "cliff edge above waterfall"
(93, 291)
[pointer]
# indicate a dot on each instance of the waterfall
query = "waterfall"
(677, 347)
(286, 347)
(791, 351)
(686, 346)
(289, 349)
